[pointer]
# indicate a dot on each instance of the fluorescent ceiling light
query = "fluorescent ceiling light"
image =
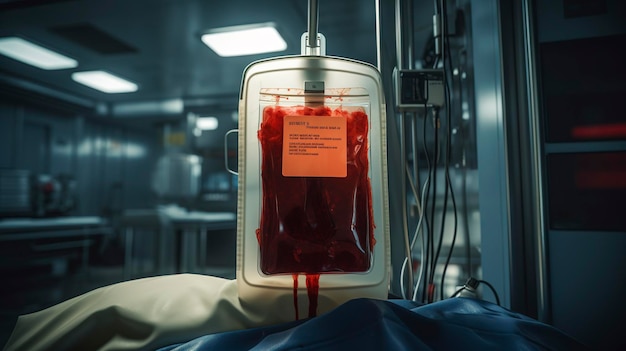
(104, 82)
(162, 107)
(244, 40)
(35, 55)
(207, 123)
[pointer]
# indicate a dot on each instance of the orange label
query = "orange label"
(314, 146)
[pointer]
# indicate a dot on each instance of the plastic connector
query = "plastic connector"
(472, 283)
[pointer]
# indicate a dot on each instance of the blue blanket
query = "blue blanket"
(365, 324)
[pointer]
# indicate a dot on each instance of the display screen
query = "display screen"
(583, 89)
(587, 191)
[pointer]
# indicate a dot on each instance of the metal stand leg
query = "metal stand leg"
(85, 253)
(202, 252)
(128, 253)
(189, 251)
(160, 266)
(185, 252)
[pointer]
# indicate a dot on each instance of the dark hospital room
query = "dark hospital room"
(181, 175)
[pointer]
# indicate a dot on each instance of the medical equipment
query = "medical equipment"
(312, 204)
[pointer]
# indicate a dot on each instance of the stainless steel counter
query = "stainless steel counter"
(171, 221)
(34, 228)
(50, 237)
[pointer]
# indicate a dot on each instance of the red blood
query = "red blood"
(312, 289)
(315, 224)
(295, 294)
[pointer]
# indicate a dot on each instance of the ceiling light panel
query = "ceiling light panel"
(244, 40)
(104, 81)
(34, 55)
(207, 123)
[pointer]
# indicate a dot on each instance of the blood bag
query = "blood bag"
(312, 217)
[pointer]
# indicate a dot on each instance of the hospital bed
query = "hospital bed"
(198, 312)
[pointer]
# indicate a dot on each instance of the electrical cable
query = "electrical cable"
(454, 235)
(472, 287)
(431, 242)
(445, 196)
(464, 145)
(416, 163)
(420, 277)
(493, 290)
(436, 62)
(425, 199)
(466, 227)
(426, 237)
(404, 211)
(414, 191)
(439, 50)
(419, 226)
(441, 235)
(457, 292)
(417, 199)
(415, 235)
(449, 118)
(431, 246)
(414, 239)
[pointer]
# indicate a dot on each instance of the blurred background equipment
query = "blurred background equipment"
(23, 194)
(53, 196)
(15, 193)
(177, 177)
